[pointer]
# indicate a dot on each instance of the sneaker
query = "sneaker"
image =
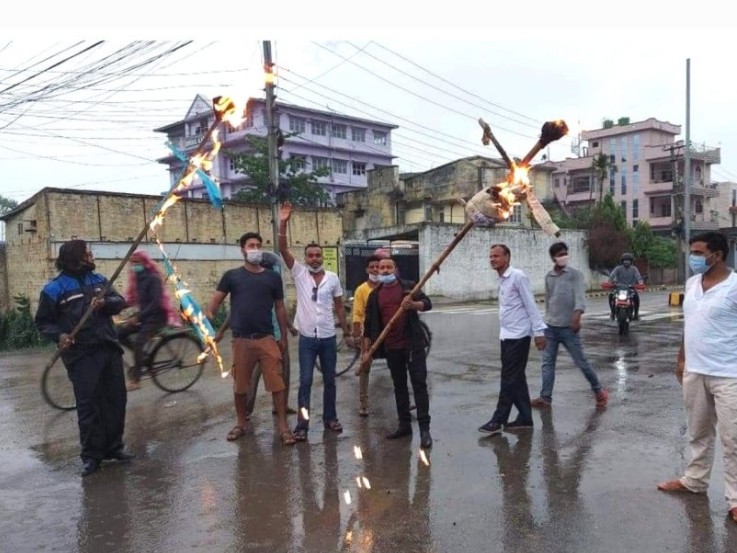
(491, 428)
(89, 466)
(425, 439)
(602, 398)
(540, 403)
(518, 425)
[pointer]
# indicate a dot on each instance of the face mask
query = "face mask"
(254, 257)
(137, 268)
(626, 263)
(387, 279)
(314, 270)
(562, 260)
(374, 278)
(698, 263)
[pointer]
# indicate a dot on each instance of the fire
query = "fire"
(509, 193)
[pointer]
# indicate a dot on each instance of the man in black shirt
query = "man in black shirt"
(254, 291)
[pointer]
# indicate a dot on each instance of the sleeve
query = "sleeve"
(298, 269)
(638, 276)
(114, 302)
(420, 296)
(278, 292)
(525, 292)
(46, 318)
(337, 288)
(359, 304)
(224, 284)
(614, 275)
(579, 300)
(370, 319)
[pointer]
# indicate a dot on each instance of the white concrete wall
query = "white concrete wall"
(466, 274)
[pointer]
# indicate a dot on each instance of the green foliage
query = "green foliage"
(659, 251)
(17, 330)
(6, 204)
(607, 235)
(299, 186)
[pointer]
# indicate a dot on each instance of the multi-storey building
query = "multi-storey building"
(348, 146)
(645, 174)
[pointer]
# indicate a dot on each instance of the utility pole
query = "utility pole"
(272, 126)
(687, 173)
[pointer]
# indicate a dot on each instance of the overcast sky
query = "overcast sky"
(433, 85)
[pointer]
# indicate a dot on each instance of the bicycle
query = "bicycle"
(348, 356)
(171, 361)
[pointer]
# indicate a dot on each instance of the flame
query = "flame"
(423, 458)
(509, 193)
(357, 452)
(349, 537)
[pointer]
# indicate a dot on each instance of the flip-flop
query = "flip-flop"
(287, 438)
(235, 433)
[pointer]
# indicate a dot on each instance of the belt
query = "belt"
(254, 336)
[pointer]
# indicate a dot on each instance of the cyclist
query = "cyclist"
(360, 298)
(147, 291)
(628, 275)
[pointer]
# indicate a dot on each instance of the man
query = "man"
(319, 295)
(403, 346)
(93, 358)
(254, 292)
(360, 298)
(625, 274)
(146, 291)
(519, 318)
(564, 305)
(707, 366)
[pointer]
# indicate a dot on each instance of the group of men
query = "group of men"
(93, 358)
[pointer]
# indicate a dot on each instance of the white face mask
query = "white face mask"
(374, 278)
(254, 256)
(314, 270)
(562, 260)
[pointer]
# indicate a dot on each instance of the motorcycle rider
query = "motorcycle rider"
(625, 274)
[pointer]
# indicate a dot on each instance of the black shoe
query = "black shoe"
(518, 425)
(425, 439)
(90, 466)
(491, 428)
(121, 456)
(400, 432)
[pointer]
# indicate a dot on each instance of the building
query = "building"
(201, 241)
(402, 200)
(644, 172)
(348, 146)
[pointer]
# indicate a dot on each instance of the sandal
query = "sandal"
(235, 433)
(287, 438)
(300, 434)
(334, 425)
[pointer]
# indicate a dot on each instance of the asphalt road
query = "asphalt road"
(581, 481)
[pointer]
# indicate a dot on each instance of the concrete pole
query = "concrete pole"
(687, 171)
(272, 126)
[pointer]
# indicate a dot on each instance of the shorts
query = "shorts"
(264, 351)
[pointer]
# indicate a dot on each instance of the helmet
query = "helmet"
(626, 257)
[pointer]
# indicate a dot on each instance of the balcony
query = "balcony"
(705, 153)
(658, 187)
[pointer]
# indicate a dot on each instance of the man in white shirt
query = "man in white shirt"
(707, 367)
(319, 295)
(519, 319)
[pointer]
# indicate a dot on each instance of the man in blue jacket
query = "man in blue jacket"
(93, 358)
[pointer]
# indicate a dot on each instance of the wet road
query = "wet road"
(581, 481)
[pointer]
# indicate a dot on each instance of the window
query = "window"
(380, 138)
(624, 208)
(624, 185)
(635, 210)
(624, 148)
(612, 186)
(298, 162)
(557, 182)
(699, 206)
(635, 168)
(359, 169)
(338, 130)
(340, 166)
(734, 198)
(231, 164)
(297, 124)
(665, 209)
(612, 159)
(635, 147)
(319, 128)
(200, 129)
(516, 216)
(441, 216)
(358, 135)
(580, 184)
(320, 163)
(595, 144)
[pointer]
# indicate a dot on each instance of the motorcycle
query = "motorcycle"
(624, 305)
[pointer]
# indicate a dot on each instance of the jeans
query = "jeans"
(400, 363)
(514, 391)
(556, 335)
(309, 350)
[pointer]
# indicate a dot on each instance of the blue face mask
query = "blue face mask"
(137, 268)
(698, 263)
(387, 279)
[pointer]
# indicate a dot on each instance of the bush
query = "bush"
(17, 330)
(220, 317)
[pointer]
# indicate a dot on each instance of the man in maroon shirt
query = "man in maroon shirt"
(403, 347)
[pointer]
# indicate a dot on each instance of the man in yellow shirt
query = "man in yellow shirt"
(360, 299)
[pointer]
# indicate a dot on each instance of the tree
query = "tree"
(660, 252)
(296, 184)
(603, 168)
(6, 205)
(608, 237)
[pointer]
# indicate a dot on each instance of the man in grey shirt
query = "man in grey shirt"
(564, 305)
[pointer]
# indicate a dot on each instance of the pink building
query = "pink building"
(645, 174)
